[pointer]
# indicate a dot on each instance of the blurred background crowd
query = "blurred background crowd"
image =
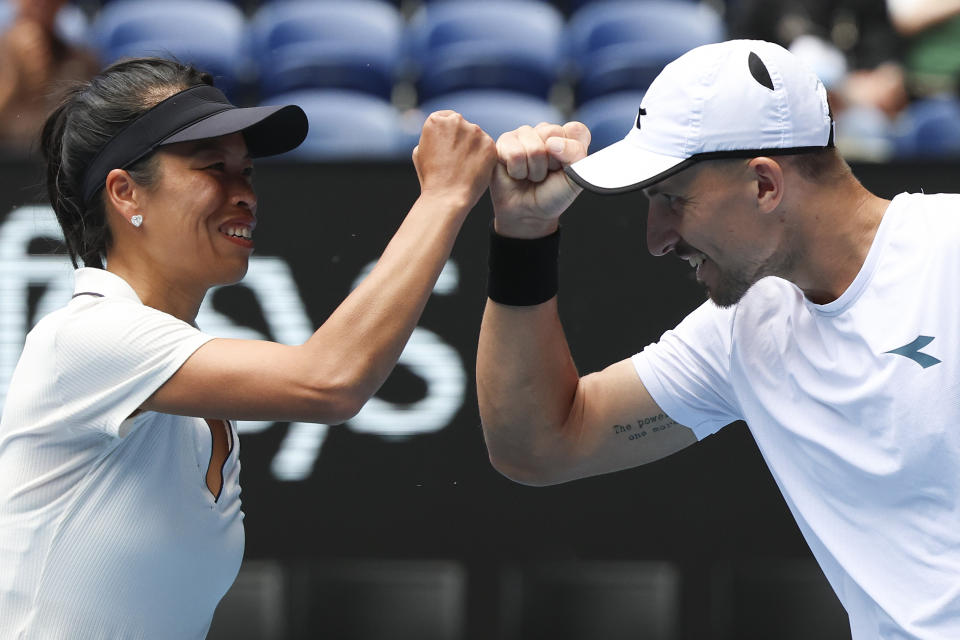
(367, 71)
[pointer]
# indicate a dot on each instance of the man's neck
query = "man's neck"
(838, 229)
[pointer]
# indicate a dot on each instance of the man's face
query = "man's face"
(707, 214)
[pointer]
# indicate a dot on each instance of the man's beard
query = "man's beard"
(733, 284)
(729, 288)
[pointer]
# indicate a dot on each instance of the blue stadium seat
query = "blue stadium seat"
(206, 33)
(574, 5)
(495, 111)
(929, 128)
(496, 44)
(92, 5)
(349, 44)
(623, 44)
(864, 133)
(609, 117)
(347, 124)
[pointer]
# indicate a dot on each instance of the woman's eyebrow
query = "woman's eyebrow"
(210, 146)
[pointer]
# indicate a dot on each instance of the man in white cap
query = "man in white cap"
(831, 328)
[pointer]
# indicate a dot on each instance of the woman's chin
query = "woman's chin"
(234, 275)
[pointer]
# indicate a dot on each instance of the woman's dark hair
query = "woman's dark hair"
(90, 115)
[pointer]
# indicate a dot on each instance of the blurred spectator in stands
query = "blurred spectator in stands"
(932, 54)
(36, 66)
(860, 29)
(854, 49)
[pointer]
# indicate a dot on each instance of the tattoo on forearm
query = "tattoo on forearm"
(643, 427)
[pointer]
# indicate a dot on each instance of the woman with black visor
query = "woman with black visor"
(119, 494)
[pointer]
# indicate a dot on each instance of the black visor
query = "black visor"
(194, 114)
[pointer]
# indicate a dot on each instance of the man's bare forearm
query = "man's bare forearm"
(526, 385)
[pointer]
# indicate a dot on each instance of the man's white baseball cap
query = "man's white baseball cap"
(741, 98)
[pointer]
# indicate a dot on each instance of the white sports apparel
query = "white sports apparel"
(855, 406)
(107, 527)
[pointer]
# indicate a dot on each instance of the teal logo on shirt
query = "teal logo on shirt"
(912, 351)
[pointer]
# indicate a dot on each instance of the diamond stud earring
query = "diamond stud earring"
(136, 220)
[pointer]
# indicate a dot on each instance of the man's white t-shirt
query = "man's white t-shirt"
(107, 527)
(855, 406)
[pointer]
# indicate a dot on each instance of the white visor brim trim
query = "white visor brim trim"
(623, 167)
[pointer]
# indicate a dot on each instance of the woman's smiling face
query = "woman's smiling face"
(200, 214)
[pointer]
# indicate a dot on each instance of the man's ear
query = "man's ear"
(122, 194)
(768, 175)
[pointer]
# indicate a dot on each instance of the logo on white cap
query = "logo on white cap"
(759, 71)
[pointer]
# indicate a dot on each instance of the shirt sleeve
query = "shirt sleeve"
(687, 372)
(113, 354)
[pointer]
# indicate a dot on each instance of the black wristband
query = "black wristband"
(523, 272)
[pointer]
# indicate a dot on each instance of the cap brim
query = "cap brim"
(623, 167)
(267, 130)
